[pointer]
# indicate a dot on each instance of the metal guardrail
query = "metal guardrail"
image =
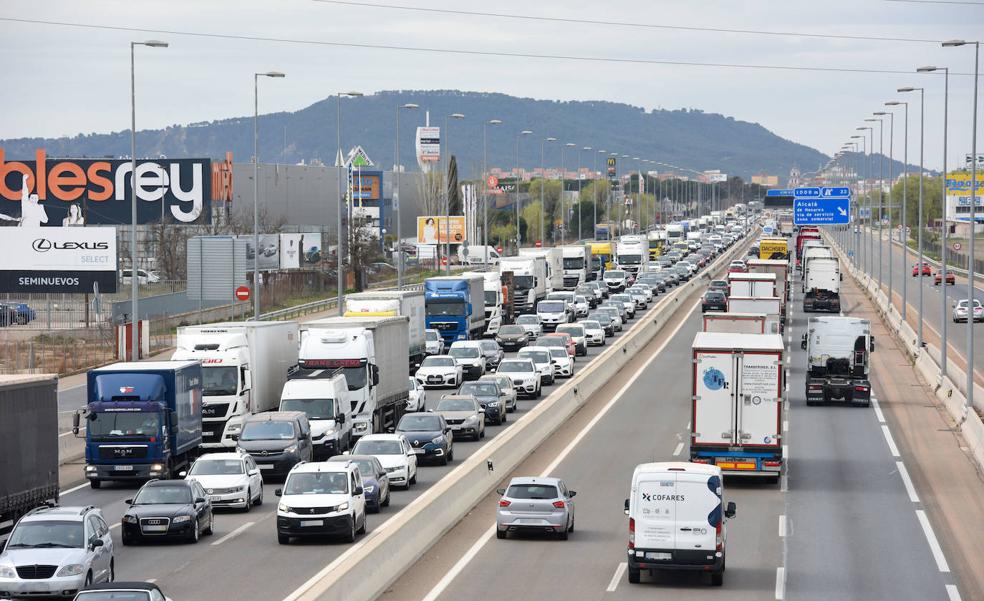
(320, 306)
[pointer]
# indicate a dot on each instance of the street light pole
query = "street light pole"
(485, 203)
(525, 132)
(881, 192)
(340, 165)
(891, 201)
(256, 189)
(922, 119)
(396, 197)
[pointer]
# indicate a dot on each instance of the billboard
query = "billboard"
(290, 251)
(367, 185)
(44, 191)
(269, 258)
(58, 260)
(310, 248)
(434, 229)
(765, 180)
(428, 146)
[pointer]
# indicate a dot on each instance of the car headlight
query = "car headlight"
(7, 572)
(342, 507)
(291, 449)
(72, 569)
(181, 519)
(493, 403)
(471, 419)
(369, 488)
(437, 440)
(130, 519)
(283, 508)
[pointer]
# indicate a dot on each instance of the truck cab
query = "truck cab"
(577, 264)
(451, 306)
(632, 253)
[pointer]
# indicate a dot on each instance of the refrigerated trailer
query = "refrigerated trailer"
(738, 383)
(735, 323)
(770, 307)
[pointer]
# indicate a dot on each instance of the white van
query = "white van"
(473, 254)
(677, 519)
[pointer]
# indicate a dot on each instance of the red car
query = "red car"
(568, 342)
(926, 269)
(950, 279)
(737, 267)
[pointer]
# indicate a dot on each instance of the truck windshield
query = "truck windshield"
(218, 381)
(356, 377)
(523, 282)
(491, 298)
(630, 259)
(313, 408)
(123, 425)
(444, 308)
(573, 262)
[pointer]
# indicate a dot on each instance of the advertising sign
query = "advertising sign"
(269, 258)
(310, 248)
(55, 192)
(958, 185)
(367, 185)
(290, 251)
(434, 229)
(428, 145)
(58, 260)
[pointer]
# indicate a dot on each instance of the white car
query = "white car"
(415, 401)
(322, 498)
(552, 313)
(540, 356)
(593, 332)
(524, 375)
(395, 453)
(229, 479)
(471, 357)
(581, 306)
(647, 289)
(562, 362)
(144, 277)
(531, 323)
(960, 311)
(433, 342)
(615, 279)
(439, 371)
(638, 295)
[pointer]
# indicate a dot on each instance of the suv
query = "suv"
(471, 357)
(322, 499)
(55, 551)
(277, 440)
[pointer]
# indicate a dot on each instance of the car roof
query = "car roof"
(226, 456)
(67, 513)
(122, 586)
(168, 483)
(345, 458)
(534, 480)
(382, 437)
(276, 416)
(323, 466)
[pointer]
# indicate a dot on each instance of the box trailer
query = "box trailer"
(28, 443)
(756, 285)
(389, 303)
(770, 307)
(780, 267)
(735, 323)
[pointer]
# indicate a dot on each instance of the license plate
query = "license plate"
(264, 467)
(123, 468)
(312, 522)
(155, 528)
(419, 451)
(659, 556)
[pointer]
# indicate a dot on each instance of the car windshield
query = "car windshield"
(574, 330)
(317, 483)
(614, 274)
(438, 362)
(268, 430)
(47, 534)
(536, 356)
(622, 298)
(559, 353)
(465, 352)
(104, 425)
(514, 367)
(479, 389)
(433, 309)
(580, 299)
(419, 423)
(552, 306)
(532, 491)
(714, 295)
(456, 405)
(528, 320)
(512, 331)
(217, 467)
(378, 447)
(163, 495)
(432, 335)
(219, 380)
(590, 324)
(313, 408)
(366, 467)
(121, 595)
(718, 284)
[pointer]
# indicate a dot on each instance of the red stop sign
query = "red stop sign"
(242, 293)
(499, 250)
(538, 244)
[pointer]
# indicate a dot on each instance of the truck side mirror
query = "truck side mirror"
(730, 510)
(803, 342)
(75, 423)
(247, 379)
(375, 375)
(626, 507)
(341, 418)
(872, 345)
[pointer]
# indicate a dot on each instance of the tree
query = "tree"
(364, 249)
(530, 215)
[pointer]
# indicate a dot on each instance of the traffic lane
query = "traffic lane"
(853, 533)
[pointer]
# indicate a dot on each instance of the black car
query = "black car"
(489, 397)
(277, 441)
(719, 285)
(714, 300)
(606, 321)
(588, 292)
(167, 509)
(429, 435)
(512, 337)
(120, 591)
(8, 315)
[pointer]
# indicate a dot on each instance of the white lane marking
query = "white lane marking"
(907, 482)
(73, 489)
(788, 357)
(785, 425)
(152, 580)
(780, 583)
(782, 526)
(678, 449)
(70, 433)
(934, 544)
(233, 534)
(462, 563)
(891, 441)
(617, 577)
(784, 483)
(952, 592)
(116, 525)
(785, 452)
(878, 411)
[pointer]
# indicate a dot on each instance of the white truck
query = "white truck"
(244, 367)
(674, 233)
(322, 395)
(821, 285)
(494, 302)
(577, 264)
(780, 267)
(529, 279)
(756, 285)
(372, 353)
(632, 253)
(735, 323)
(770, 307)
(387, 303)
(838, 359)
(554, 258)
(738, 383)
(813, 249)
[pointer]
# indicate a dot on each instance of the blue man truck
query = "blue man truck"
(455, 306)
(143, 420)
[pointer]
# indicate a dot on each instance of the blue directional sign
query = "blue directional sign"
(821, 206)
(779, 193)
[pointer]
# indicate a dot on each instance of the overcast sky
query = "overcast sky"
(66, 80)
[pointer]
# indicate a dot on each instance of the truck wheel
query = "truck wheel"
(634, 575)
(95, 483)
(717, 578)
(283, 539)
(501, 534)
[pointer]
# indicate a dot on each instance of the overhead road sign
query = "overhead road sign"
(821, 205)
(779, 193)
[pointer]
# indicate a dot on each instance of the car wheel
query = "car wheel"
(259, 498)
(98, 483)
(450, 455)
(634, 575)
(412, 480)
(571, 528)
(112, 570)
(126, 540)
(350, 536)
(502, 417)
(501, 534)
(563, 534)
(539, 393)
(211, 523)
(195, 533)
(362, 528)
(249, 500)
(283, 539)
(444, 459)
(21, 320)
(481, 433)
(88, 579)
(386, 501)
(717, 578)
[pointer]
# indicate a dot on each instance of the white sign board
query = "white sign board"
(428, 146)
(290, 251)
(58, 259)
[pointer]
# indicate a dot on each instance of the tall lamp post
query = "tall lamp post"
(134, 280)
(256, 188)
(904, 236)
(485, 203)
(447, 191)
(543, 181)
(867, 171)
(396, 196)
(973, 220)
(858, 242)
(594, 218)
(919, 225)
(525, 132)
(891, 201)
(881, 190)
(603, 182)
(340, 165)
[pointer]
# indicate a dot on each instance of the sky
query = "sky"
(65, 80)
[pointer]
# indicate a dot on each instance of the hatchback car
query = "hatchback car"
(464, 415)
(540, 356)
(229, 479)
(713, 300)
(739, 267)
(605, 320)
(492, 351)
(950, 279)
(513, 337)
(593, 332)
(960, 311)
(627, 301)
(719, 285)
(487, 394)
(639, 296)
(507, 391)
(926, 270)
(563, 364)
(578, 335)
(535, 505)
(429, 436)
(615, 311)
(167, 509)
(322, 499)
(590, 294)
(417, 396)
(524, 375)
(394, 453)
(567, 342)
(55, 551)
(581, 305)
(434, 342)
(375, 481)
(532, 324)
(122, 591)
(277, 440)
(616, 280)
(469, 355)
(439, 371)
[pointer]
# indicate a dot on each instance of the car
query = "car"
(719, 285)
(469, 355)
(492, 351)
(54, 551)
(464, 414)
(540, 356)
(616, 280)
(229, 479)
(738, 266)
(614, 313)
(561, 339)
(324, 498)
(8, 314)
(525, 376)
(713, 300)
(563, 364)
(638, 295)
(531, 323)
(507, 392)
(394, 453)
(489, 397)
(535, 505)
(553, 313)
(581, 305)
(926, 269)
(960, 311)
(566, 296)
(122, 591)
(951, 280)
(683, 273)
(23, 313)
(164, 509)
(647, 289)
(144, 277)
(589, 294)
(627, 301)
(577, 333)
(600, 289)
(605, 320)
(429, 436)
(434, 342)
(375, 481)
(594, 334)
(655, 281)
(417, 396)
(277, 440)
(439, 371)
(513, 337)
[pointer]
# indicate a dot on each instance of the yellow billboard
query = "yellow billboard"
(434, 229)
(773, 248)
(958, 184)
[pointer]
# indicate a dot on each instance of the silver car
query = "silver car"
(505, 387)
(960, 311)
(535, 505)
(531, 323)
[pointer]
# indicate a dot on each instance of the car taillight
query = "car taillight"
(559, 504)
(861, 388)
(632, 533)
(504, 503)
(719, 538)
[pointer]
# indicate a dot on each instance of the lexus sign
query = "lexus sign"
(57, 259)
